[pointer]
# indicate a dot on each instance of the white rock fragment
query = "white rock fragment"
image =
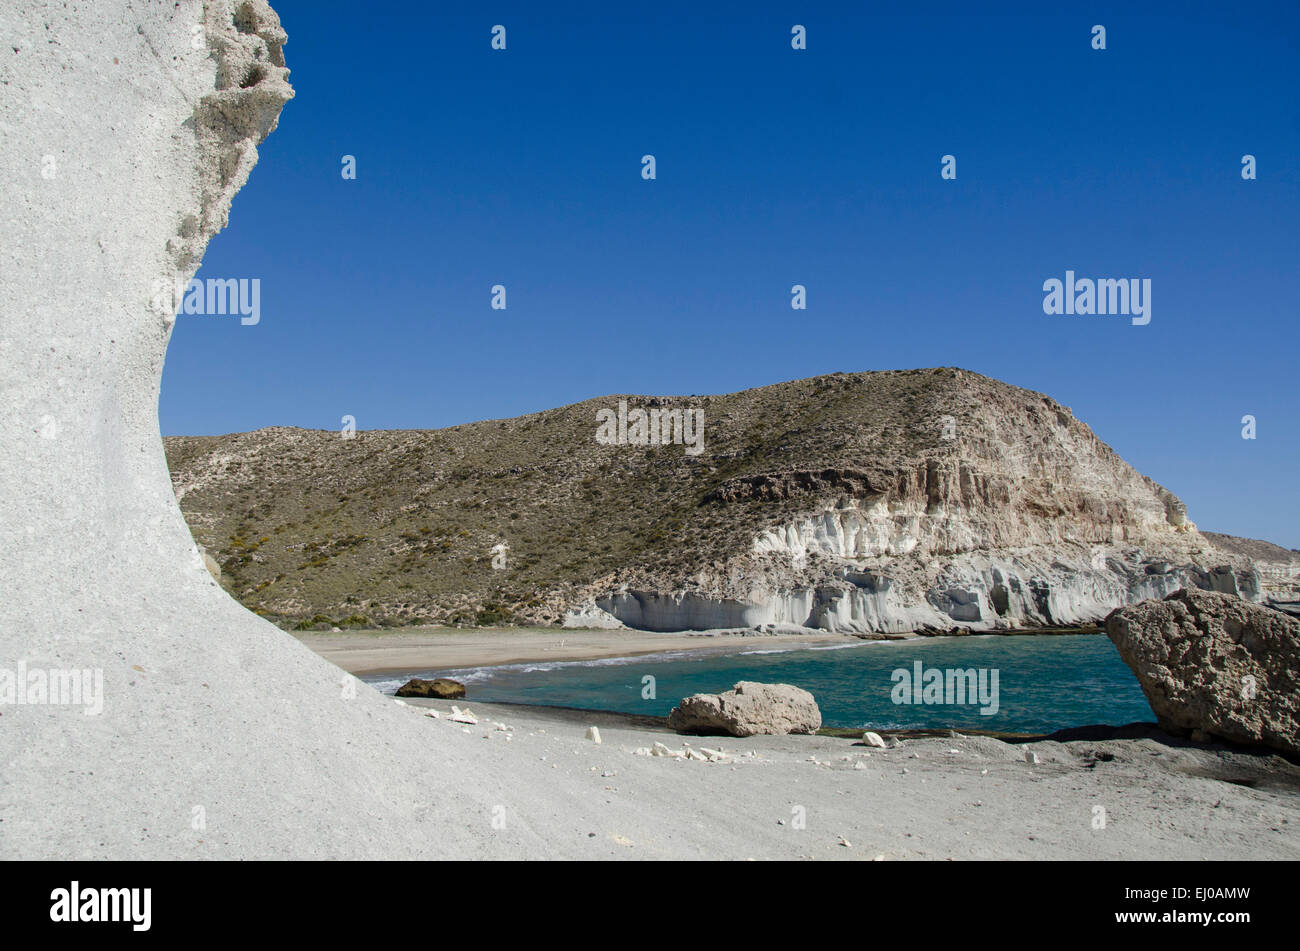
(462, 716)
(593, 734)
(874, 739)
(1030, 756)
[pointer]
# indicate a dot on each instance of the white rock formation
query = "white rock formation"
(999, 546)
(589, 616)
(219, 736)
(748, 709)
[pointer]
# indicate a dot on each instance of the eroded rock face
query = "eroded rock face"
(748, 709)
(1016, 517)
(251, 87)
(974, 591)
(1213, 663)
(129, 140)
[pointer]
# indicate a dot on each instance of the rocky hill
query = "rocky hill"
(874, 503)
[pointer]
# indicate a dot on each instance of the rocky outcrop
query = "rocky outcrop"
(748, 709)
(588, 616)
(217, 731)
(251, 86)
(1213, 664)
(440, 688)
(976, 591)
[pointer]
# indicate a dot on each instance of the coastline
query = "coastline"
(934, 795)
(364, 652)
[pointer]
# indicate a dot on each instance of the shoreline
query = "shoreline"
(564, 713)
(933, 795)
(373, 653)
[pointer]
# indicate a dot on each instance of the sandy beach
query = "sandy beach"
(1119, 794)
(819, 797)
(433, 648)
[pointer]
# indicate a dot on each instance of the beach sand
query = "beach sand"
(434, 648)
(1150, 796)
(804, 797)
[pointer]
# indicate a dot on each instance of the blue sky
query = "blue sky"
(775, 167)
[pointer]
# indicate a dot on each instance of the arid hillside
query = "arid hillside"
(873, 502)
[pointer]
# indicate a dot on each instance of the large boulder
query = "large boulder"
(748, 709)
(440, 688)
(1214, 664)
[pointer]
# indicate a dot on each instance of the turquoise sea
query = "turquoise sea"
(1044, 682)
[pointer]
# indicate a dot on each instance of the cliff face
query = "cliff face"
(874, 503)
(128, 127)
(1016, 515)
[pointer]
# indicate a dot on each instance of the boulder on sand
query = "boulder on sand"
(437, 689)
(1214, 664)
(746, 710)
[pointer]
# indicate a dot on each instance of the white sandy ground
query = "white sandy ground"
(953, 797)
(934, 798)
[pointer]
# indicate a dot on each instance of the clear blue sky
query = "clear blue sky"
(775, 167)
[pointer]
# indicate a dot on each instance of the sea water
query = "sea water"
(1043, 682)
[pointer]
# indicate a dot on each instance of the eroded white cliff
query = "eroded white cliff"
(998, 529)
(126, 130)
